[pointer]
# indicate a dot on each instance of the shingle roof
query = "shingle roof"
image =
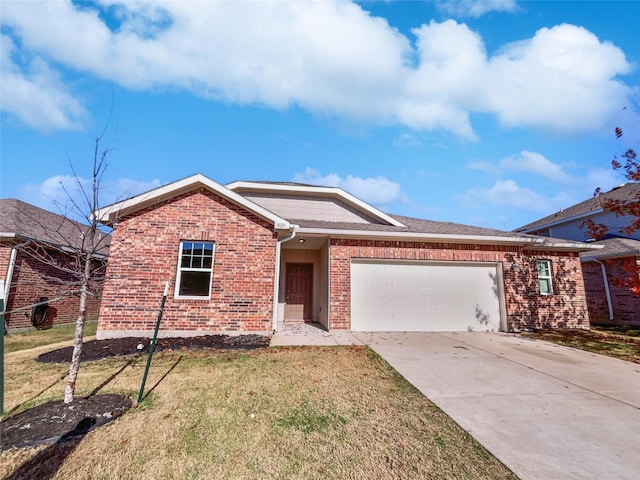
(446, 229)
(615, 247)
(627, 192)
(27, 221)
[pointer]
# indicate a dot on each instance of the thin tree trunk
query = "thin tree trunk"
(79, 331)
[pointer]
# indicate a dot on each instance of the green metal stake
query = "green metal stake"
(2, 357)
(152, 347)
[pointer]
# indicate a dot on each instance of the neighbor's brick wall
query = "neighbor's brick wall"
(525, 307)
(144, 255)
(626, 305)
(32, 280)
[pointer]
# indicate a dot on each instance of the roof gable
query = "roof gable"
(110, 214)
(291, 191)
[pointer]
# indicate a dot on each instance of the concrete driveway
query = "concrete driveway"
(546, 411)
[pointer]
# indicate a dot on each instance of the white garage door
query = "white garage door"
(414, 296)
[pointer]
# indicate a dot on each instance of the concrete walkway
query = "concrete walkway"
(311, 334)
(546, 411)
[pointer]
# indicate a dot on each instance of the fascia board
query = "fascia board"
(567, 246)
(324, 191)
(416, 236)
(107, 214)
(564, 220)
(8, 235)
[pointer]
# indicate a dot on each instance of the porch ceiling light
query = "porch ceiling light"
(302, 240)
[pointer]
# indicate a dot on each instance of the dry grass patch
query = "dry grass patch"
(16, 341)
(618, 343)
(332, 412)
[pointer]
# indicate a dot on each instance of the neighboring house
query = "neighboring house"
(250, 256)
(30, 235)
(610, 272)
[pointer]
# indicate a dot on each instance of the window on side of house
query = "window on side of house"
(195, 269)
(544, 277)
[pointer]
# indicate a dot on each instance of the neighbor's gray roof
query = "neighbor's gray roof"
(614, 248)
(627, 192)
(22, 220)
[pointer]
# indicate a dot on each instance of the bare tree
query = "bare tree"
(75, 249)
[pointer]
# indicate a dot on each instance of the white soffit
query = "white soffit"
(333, 192)
(109, 214)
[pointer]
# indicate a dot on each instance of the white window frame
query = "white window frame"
(545, 279)
(181, 269)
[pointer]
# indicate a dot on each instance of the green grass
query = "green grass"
(17, 341)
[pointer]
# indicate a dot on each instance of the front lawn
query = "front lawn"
(618, 342)
(304, 412)
(16, 341)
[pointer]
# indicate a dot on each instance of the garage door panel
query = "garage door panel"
(388, 296)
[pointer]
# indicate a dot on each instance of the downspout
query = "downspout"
(7, 283)
(276, 285)
(606, 287)
(605, 281)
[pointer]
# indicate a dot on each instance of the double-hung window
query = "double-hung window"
(544, 277)
(195, 269)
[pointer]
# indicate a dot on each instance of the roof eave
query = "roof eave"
(611, 256)
(417, 236)
(566, 246)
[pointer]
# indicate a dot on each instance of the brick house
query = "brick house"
(250, 256)
(29, 235)
(608, 272)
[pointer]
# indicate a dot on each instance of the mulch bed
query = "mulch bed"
(56, 422)
(97, 349)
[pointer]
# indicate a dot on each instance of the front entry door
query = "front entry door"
(299, 291)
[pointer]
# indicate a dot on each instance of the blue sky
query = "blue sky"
(490, 113)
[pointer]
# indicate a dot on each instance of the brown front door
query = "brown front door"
(299, 291)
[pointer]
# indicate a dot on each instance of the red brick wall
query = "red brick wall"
(525, 307)
(626, 305)
(144, 255)
(32, 280)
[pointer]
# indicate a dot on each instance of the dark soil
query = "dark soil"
(56, 422)
(97, 349)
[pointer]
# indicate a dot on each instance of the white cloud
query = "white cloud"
(604, 179)
(508, 194)
(536, 163)
(378, 191)
(60, 192)
(407, 140)
(563, 78)
(35, 94)
(476, 8)
(330, 58)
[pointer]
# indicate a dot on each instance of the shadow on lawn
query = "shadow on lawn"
(47, 462)
(163, 377)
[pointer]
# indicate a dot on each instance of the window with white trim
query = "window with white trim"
(195, 269)
(544, 277)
